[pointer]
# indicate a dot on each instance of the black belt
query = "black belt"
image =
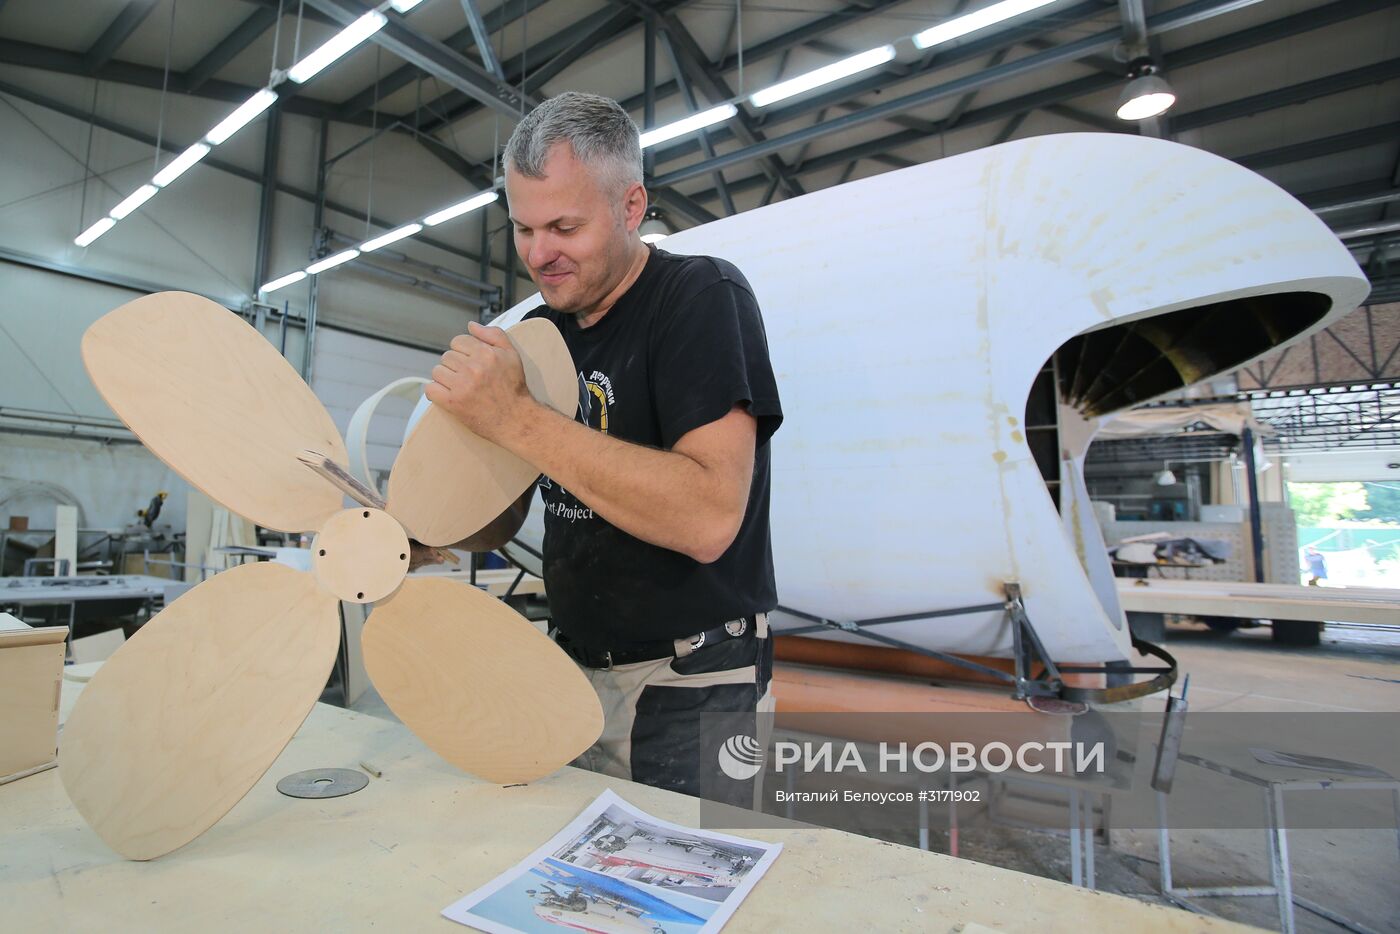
(744, 628)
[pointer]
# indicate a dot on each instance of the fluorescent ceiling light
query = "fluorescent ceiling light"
(288, 279)
(689, 125)
(460, 208)
(820, 76)
(241, 117)
(403, 6)
(342, 42)
(134, 200)
(95, 231)
(181, 165)
(331, 262)
(960, 26)
(393, 236)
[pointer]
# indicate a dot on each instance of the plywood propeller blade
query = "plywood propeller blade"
(175, 727)
(213, 399)
(477, 683)
(448, 482)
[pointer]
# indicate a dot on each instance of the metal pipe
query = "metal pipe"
(483, 40)
(1134, 25)
(72, 434)
(1385, 198)
(318, 221)
(397, 124)
(80, 421)
(1367, 230)
(508, 292)
(407, 260)
(282, 329)
(271, 139)
(139, 286)
(1256, 524)
(404, 278)
(649, 89)
(485, 250)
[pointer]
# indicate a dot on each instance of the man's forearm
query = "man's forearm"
(662, 497)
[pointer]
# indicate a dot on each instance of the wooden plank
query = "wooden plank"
(65, 541)
(43, 635)
(447, 482)
(31, 668)
(241, 414)
(176, 727)
(1262, 601)
(480, 685)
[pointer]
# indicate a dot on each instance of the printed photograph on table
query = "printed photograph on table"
(617, 870)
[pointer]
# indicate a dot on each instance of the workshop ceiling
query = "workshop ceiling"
(1305, 92)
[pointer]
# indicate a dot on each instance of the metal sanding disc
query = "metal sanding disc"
(322, 783)
(1056, 706)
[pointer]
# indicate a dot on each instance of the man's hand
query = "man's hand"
(420, 555)
(481, 381)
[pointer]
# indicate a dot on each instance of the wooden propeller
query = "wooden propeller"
(185, 718)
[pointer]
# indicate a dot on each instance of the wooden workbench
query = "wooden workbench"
(1374, 605)
(390, 857)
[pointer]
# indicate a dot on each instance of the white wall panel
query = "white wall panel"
(348, 368)
(109, 483)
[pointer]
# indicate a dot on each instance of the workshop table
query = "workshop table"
(70, 591)
(392, 856)
(1377, 606)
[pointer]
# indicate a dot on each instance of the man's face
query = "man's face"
(575, 237)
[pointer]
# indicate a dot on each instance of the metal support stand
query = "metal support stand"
(1027, 653)
(1276, 837)
(1081, 840)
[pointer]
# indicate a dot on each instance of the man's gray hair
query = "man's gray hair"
(599, 130)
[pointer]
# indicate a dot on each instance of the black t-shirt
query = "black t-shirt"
(678, 350)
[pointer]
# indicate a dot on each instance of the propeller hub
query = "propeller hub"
(360, 554)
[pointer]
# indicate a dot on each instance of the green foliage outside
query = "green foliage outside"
(1382, 503)
(1327, 503)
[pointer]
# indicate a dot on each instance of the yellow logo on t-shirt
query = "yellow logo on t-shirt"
(602, 397)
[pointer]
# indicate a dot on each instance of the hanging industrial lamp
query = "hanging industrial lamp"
(654, 229)
(1147, 93)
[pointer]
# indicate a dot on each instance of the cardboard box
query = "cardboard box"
(31, 672)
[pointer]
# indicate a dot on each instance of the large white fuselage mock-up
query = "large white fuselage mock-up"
(909, 313)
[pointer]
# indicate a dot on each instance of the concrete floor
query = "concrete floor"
(1354, 872)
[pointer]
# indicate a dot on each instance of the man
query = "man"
(1317, 566)
(657, 558)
